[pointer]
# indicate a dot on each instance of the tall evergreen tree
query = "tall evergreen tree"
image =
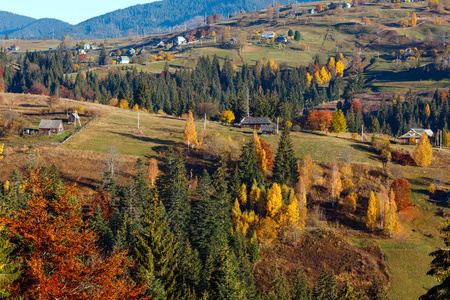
(300, 289)
(248, 165)
(285, 163)
(173, 189)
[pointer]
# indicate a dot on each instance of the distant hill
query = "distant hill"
(159, 16)
(12, 22)
(42, 28)
(148, 18)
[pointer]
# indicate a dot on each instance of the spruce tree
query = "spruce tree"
(9, 267)
(280, 287)
(205, 218)
(300, 289)
(155, 254)
(173, 189)
(248, 165)
(285, 163)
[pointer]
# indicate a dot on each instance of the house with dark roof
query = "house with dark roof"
(267, 129)
(49, 127)
(413, 136)
(254, 122)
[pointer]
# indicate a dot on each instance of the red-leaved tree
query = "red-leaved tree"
(57, 248)
(319, 120)
(38, 89)
(400, 186)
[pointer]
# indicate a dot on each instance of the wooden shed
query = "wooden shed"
(255, 122)
(49, 127)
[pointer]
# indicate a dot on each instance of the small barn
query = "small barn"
(49, 127)
(254, 122)
(414, 135)
(267, 129)
(124, 60)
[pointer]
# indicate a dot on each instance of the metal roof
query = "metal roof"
(50, 124)
(255, 121)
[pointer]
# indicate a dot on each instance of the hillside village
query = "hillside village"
(296, 152)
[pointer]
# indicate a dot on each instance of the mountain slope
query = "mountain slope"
(159, 16)
(42, 28)
(12, 22)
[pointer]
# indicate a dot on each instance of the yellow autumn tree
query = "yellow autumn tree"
(423, 153)
(413, 20)
(349, 203)
(267, 230)
(335, 183)
(289, 220)
(1, 151)
(331, 64)
(371, 216)
(153, 170)
(260, 153)
(274, 200)
(391, 225)
(308, 79)
(254, 196)
(123, 103)
(318, 78)
(339, 69)
(227, 116)
(306, 171)
(325, 75)
(136, 107)
(427, 110)
(382, 201)
(189, 133)
(243, 195)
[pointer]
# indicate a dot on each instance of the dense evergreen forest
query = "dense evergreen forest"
(175, 238)
(260, 90)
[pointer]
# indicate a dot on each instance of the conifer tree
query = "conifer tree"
(320, 290)
(300, 288)
(205, 218)
(173, 189)
(248, 165)
(423, 153)
(280, 287)
(440, 269)
(285, 164)
(9, 266)
(224, 283)
(155, 253)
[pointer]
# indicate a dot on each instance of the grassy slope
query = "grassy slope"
(406, 255)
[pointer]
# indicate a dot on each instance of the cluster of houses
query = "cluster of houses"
(331, 6)
(266, 127)
(55, 127)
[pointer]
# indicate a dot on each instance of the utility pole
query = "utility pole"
(362, 133)
(278, 120)
(138, 120)
(204, 127)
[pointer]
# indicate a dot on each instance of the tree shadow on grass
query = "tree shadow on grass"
(146, 138)
(366, 148)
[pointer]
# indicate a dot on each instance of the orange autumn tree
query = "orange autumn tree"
(319, 120)
(57, 248)
(400, 186)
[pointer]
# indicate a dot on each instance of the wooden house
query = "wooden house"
(49, 127)
(255, 122)
(267, 129)
(413, 136)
